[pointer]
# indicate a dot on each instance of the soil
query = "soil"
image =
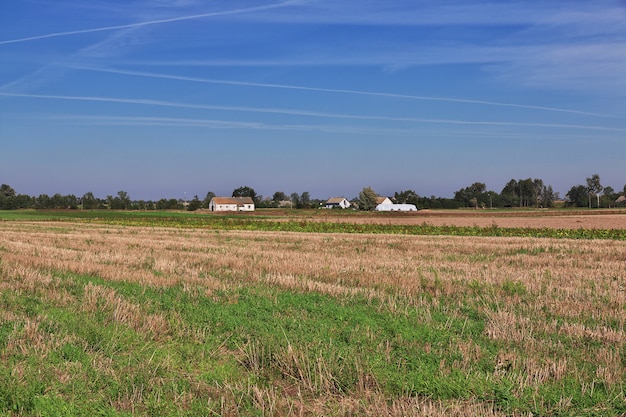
(598, 219)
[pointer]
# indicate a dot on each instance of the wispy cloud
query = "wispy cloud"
(152, 22)
(306, 113)
(338, 91)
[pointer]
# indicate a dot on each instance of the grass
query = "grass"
(101, 319)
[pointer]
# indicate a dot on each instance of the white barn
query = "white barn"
(383, 200)
(396, 207)
(231, 204)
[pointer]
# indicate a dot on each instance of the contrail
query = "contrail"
(341, 91)
(305, 113)
(152, 22)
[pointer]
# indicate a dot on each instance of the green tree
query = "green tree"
(194, 204)
(608, 196)
(89, 201)
(527, 193)
(305, 200)
(472, 196)
(406, 197)
(57, 201)
(577, 196)
(510, 194)
(538, 189)
(278, 197)
(594, 187)
(245, 191)
(367, 199)
(43, 201)
(547, 197)
(295, 200)
(124, 199)
(7, 190)
(207, 199)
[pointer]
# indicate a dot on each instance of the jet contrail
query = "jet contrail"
(305, 112)
(341, 91)
(152, 22)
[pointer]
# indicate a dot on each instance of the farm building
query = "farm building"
(337, 202)
(396, 207)
(231, 204)
(383, 200)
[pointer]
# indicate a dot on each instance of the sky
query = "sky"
(176, 98)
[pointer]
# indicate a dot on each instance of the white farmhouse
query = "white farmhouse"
(231, 204)
(337, 202)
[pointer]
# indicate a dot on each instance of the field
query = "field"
(318, 314)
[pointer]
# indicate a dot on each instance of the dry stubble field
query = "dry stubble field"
(509, 325)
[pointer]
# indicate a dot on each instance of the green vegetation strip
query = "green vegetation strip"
(268, 223)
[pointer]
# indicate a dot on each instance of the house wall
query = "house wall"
(396, 207)
(223, 207)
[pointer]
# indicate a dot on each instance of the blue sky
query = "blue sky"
(175, 98)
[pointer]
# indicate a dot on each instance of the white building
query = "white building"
(337, 202)
(396, 207)
(383, 200)
(231, 204)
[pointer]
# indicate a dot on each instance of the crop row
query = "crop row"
(424, 229)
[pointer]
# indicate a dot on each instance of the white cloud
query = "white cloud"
(317, 114)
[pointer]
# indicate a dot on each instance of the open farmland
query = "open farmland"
(113, 319)
(535, 219)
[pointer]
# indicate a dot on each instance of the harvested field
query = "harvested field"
(155, 320)
(592, 219)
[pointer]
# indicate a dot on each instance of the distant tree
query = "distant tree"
(527, 192)
(57, 201)
(473, 195)
(538, 189)
(23, 201)
(194, 204)
(295, 200)
(71, 201)
(89, 201)
(547, 197)
(43, 201)
(577, 196)
(245, 192)
(305, 200)
(124, 199)
(278, 197)
(7, 190)
(367, 199)
(162, 204)
(594, 187)
(608, 196)
(406, 197)
(510, 194)
(207, 199)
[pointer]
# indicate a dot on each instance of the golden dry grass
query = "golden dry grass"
(583, 283)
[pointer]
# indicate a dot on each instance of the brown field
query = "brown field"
(583, 282)
(585, 219)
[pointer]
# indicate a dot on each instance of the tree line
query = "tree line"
(516, 193)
